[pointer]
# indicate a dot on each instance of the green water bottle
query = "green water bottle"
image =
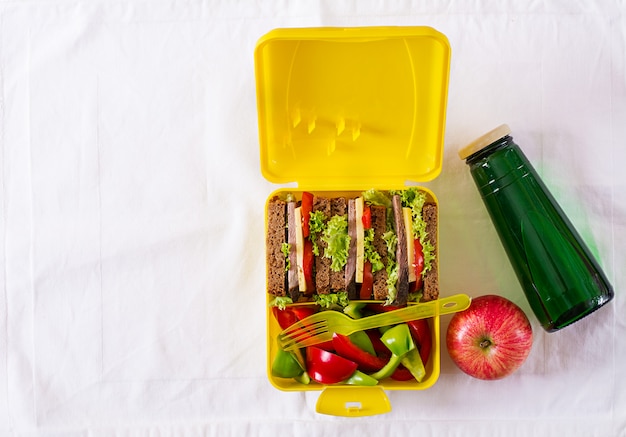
(560, 277)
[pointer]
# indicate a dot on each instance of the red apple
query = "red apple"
(491, 339)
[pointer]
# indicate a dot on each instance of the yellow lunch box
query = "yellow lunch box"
(343, 110)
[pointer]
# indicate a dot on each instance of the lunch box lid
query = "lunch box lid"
(352, 107)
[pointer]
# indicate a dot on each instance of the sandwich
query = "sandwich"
(379, 245)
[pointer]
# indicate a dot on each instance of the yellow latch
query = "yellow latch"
(353, 402)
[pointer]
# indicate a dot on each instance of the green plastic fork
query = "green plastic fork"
(321, 326)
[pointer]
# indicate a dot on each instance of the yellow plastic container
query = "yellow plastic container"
(343, 110)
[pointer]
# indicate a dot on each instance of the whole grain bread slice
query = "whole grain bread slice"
(379, 225)
(431, 277)
(275, 259)
(322, 264)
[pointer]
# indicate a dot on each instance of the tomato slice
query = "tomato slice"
(417, 265)
(367, 217)
(326, 367)
(308, 260)
(367, 286)
(307, 207)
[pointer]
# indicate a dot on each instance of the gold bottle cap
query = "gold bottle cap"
(480, 143)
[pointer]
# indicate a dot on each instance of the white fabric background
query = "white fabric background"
(131, 234)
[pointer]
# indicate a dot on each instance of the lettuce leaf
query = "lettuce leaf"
(415, 297)
(281, 302)
(316, 227)
(429, 256)
(332, 300)
(391, 239)
(370, 251)
(285, 248)
(288, 197)
(392, 280)
(377, 198)
(338, 241)
(392, 266)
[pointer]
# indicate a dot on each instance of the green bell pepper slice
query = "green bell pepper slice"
(286, 365)
(360, 378)
(400, 342)
(354, 309)
(304, 378)
(362, 341)
(414, 364)
(398, 339)
(388, 369)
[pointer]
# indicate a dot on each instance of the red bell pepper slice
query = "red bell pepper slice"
(326, 367)
(306, 208)
(377, 343)
(367, 217)
(366, 362)
(293, 314)
(285, 318)
(382, 308)
(402, 374)
(308, 258)
(420, 331)
(367, 286)
(417, 265)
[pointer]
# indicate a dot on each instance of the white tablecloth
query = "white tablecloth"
(132, 262)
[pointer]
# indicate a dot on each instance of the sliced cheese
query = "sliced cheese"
(410, 245)
(360, 239)
(300, 249)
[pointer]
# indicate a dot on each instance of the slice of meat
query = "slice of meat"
(350, 268)
(402, 286)
(292, 274)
